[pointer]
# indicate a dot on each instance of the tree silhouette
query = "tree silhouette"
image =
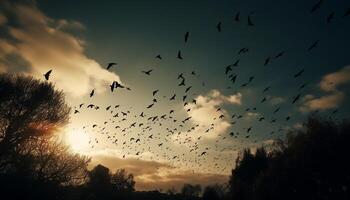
(103, 184)
(310, 164)
(28, 109)
(31, 159)
(214, 192)
(190, 192)
(122, 181)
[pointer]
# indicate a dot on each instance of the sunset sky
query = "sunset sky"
(77, 40)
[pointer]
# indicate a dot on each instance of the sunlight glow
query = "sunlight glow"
(78, 141)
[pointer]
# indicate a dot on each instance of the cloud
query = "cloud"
(43, 44)
(328, 84)
(251, 115)
(150, 175)
(204, 113)
(323, 103)
(206, 106)
(276, 100)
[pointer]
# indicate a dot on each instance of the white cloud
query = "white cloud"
(204, 113)
(44, 44)
(329, 84)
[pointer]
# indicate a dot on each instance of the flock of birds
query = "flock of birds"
(136, 133)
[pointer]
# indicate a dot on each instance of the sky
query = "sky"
(77, 40)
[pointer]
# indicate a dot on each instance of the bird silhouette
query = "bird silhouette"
(173, 97)
(250, 23)
(299, 73)
(330, 17)
(237, 17)
(228, 68)
(267, 61)
(92, 92)
(347, 13)
(296, 98)
(280, 54)
(218, 27)
(187, 34)
(155, 92)
(179, 56)
(182, 82)
(110, 65)
(314, 45)
(159, 57)
(316, 6)
(112, 86)
(150, 106)
(266, 89)
(47, 74)
(187, 89)
(147, 72)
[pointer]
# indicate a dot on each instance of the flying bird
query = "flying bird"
(280, 54)
(180, 76)
(296, 98)
(250, 23)
(182, 83)
(314, 45)
(173, 97)
(299, 73)
(330, 17)
(110, 65)
(159, 57)
(187, 34)
(347, 13)
(266, 89)
(179, 56)
(150, 106)
(316, 6)
(112, 86)
(228, 68)
(267, 61)
(47, 74)
(154, 92)
(148, 72)
(92, 92)
(237, 17)
(218, 27)
(187, 89)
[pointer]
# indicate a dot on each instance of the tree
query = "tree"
(310, 164)
(213, 192)
(31, 158)
(103, 184)
(28, 109)
(191, 191)
(248, 168)
(50, 161)
(122, 181)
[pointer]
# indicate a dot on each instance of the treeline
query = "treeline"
(312, 163)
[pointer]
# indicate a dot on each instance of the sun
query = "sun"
(78, 141)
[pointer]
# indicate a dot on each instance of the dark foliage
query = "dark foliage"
(311, 164)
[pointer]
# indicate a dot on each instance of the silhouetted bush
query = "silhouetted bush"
(312, 163)
(32, 163)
